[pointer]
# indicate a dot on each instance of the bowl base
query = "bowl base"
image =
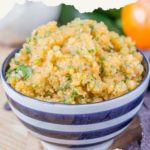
(103, 146)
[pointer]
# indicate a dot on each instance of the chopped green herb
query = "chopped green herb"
(132, 52)
(78, 52)
(67, 101)
(28, 50)
(34, 86)
(25, 70)
(36, 33)
(91, 27)
(126, 77)
(92, 77)
(97, 38)
(122, 51)
(63, 87)
(69, 77)
(74, 94)
(102, 69)
(35, 38)
(81, 24)
(16, 62)
(70, 67)
(8, 73)
(91, 51)
(103, 58)
(28, 40)
(81, 96)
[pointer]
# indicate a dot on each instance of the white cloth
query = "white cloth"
(81, 5)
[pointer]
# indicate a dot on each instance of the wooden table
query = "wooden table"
(14, 136)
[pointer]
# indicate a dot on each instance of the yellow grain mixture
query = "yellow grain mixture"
(81, 62)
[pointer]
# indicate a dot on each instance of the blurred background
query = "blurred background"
(132, 20)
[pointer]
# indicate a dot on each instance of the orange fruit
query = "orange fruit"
(136, 22)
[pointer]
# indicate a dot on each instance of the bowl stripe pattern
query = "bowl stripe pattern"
(79, 119)
(69, 134)
(78, 135)
(75, 128)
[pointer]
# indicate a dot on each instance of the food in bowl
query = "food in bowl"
(81, 62)
(92, 125)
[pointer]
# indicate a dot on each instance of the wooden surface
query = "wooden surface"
(14, 136)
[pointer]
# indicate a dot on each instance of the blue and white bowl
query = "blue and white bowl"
(76, 125)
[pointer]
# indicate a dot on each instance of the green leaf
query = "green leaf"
(111, 13)
(25, 70)
(101, 17)
(8, 73)
(67, 14)
(110, 17)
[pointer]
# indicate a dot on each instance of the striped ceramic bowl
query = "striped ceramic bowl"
(76, 125)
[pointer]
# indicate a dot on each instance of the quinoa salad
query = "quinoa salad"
(81, 62)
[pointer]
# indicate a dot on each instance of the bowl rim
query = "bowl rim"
(17, 49)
